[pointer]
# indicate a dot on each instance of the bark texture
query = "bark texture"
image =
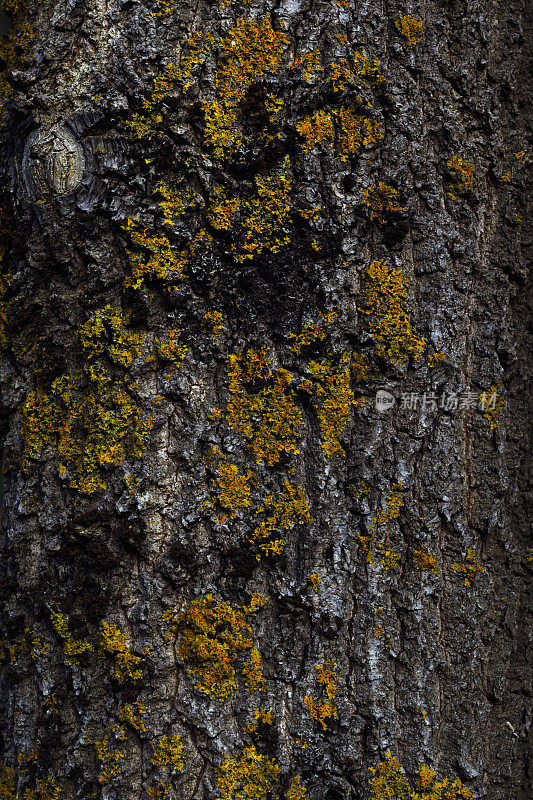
(225, 573)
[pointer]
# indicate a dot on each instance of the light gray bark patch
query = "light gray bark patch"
(53, 162)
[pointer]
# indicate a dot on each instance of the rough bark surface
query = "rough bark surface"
(208, 272)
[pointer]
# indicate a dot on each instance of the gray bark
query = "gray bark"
(432, 667)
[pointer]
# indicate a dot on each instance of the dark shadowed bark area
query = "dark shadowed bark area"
(226, 570)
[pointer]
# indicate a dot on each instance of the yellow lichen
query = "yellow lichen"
(261, 406)
(223, 135)
(435, 358)
(357, 73)
(93, 417)
(470, 568)
(385, 293)
(250, 777)
(175, 202)
(377, 545)
(315, 129)
(492, 404)
(313, 581)
(252, 672)
(108, 754)
(309, 65)
(462, 173)
(222, 209)
(233, 489)
(212, 323)
(156, 259)
(251, 49)
(73, 649)
(127, 666)
(332, 398)
(356, 131)
(132, 714)
(10, 782)
(320, 709)
(261, 718)
(212, 635)
(296, 790)
(411, 28)
(425, 560)
(381, 202)
(390, 783)
(168, 753)
(266, 215)
(283, 511)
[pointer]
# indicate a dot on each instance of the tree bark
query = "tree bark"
(228, 230)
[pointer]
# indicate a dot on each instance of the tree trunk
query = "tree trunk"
(264, 407)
